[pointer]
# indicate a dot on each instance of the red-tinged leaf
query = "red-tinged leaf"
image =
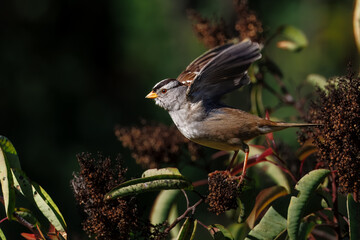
(263, 200)
(28, 236)
(251, 162)
(265, 154)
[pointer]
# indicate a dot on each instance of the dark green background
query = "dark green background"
(71, 70)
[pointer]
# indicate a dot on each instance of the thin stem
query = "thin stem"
(206, 227)
(186, 197)
(4, 219)
(200, 183)
(177, 220)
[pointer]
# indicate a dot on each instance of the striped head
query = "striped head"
(169, 94)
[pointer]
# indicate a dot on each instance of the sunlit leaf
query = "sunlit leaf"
(162, 205)
(296, 39)
(306, 187)
(273, 223)
(7, 183)
(2, 235)
(162, 171)
(152, 180)
(37, 195)
(10, 152)
(356, 24)
(263, 200)
(353, 209)
(173, 214)
(188, 229)
(219, 232)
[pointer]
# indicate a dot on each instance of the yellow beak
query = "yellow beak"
(151, 95)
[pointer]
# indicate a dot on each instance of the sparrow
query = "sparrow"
(193, 100)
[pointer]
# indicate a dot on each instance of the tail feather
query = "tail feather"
(277, 126)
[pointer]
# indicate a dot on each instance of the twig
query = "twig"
(186, 197)
(200, 183)
(177, 220)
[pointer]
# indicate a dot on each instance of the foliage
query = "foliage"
(289, 194)
(13, 179)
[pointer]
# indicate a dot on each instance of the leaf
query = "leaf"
(263, 200)
(273, 223)
(317, 80)
(219, 232)
(239, 230)
(306, 187)
(47, 206)
(10, 152)
(305, 229)
(246, 203)
(162, 171)
(173, 214)
(38, 196)
(162, 205)
(7, 183)
(152, 180)
(296, 38)
(353, 209)
(356, 24)
(187, 231)
(28, 236)
(27, 215)
(2, 235)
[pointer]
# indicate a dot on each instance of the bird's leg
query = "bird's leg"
(233, 159)
(243, 175)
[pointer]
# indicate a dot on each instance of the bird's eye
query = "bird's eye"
(163, 90)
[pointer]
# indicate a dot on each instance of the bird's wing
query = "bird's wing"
(220, 70)
(194, 68)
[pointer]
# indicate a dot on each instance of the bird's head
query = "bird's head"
(169, 94)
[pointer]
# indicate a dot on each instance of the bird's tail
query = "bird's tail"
(277, 126)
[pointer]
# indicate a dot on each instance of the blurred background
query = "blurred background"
(72, 70)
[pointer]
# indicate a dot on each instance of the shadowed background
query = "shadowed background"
(71, 70)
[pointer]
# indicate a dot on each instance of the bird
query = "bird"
(193, 100)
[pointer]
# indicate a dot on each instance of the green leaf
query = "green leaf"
(305, 229)
(7, 183)
(2, 236)
(162, 205)
(27, 215)
(162, 171)
(152, 180)
(47, 206)
(187, 231)
(353, 209)
(296, 39)
(306, 187)
(173, 215)
(239, 230)
(219, 232)
(273, 223)
(10, 152)
(41, 199)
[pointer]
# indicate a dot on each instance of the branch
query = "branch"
(188, 210)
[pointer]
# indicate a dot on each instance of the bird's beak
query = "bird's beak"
(151, 95)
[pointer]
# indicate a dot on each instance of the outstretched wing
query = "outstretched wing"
(194, 68)
(220, 70)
